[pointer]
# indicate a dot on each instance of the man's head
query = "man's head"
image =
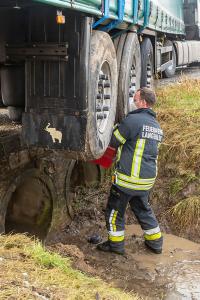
(144, 98)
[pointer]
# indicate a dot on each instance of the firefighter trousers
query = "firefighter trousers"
(115, 218)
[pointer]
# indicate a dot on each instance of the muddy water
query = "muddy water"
(178, 267)
(172, 275)
(185, 279)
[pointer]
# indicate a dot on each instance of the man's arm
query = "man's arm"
(120, 134)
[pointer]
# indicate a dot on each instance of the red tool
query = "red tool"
(107, 158)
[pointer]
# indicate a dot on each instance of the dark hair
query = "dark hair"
(148, 95)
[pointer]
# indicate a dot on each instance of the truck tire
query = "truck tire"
(1, 101)
(13, 85)
(80, 173)
(119, 46)
(102, 94)
(147, 61)
(129, 74)
(29, 204)
(15, 113)
(170, 71)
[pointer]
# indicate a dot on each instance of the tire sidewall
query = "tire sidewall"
(13, 85)
(102, 50)
(146, 58)
(131, 53)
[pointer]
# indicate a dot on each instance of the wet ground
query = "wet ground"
(172, 275)
(6, 125)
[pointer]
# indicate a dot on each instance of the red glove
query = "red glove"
(107, 158)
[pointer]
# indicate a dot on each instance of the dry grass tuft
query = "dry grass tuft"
(178, 111)
(14, 241)
(179, 114)
(186, 213)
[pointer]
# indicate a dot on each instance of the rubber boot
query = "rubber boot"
(109, 247)
(155, 246)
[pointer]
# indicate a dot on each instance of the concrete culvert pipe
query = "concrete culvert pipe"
(30, 204)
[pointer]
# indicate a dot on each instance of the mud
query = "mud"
(172, 275)
(6, 125)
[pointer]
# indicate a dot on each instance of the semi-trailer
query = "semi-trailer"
(69, 70)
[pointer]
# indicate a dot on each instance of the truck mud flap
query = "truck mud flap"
(56, 68)
(54, 131)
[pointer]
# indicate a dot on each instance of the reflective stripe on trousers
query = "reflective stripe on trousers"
(114, 235)
(116, 206)
(152, 234)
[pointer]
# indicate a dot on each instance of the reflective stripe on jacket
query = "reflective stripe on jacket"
(137, 137)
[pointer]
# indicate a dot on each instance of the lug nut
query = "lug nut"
(106, 108)
(106, 96)
(103, 77)
(107, 85)
(99, 96)
(98, 108)
(101, 116)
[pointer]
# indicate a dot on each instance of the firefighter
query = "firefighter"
(137, 139)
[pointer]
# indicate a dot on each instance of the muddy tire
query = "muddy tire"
(1, 101)
(147, 63)
(119, 46)
(129, 73)
(29, 204)
(15, 113)
(170, 71)
(13, 85)
(102, 94)
(80, 174)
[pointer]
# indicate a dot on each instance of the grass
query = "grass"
(178, 111)
(176, 186)
(29, 271)
(179, 115)
(186, 213)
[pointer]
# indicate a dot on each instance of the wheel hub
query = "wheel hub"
(103, 99)
(149, 75)
(132, 88)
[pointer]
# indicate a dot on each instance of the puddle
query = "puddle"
(185, 279)
(172, 275)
